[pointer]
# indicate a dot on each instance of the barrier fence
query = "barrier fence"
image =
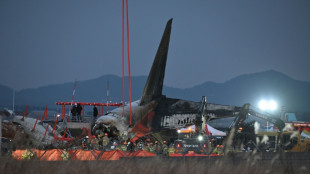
(79, 154)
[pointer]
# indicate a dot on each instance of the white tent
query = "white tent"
(212, 130)
(215, 132)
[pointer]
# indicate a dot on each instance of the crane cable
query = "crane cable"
(128, 54)
(123, 74)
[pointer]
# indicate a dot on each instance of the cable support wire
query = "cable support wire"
(128, 58)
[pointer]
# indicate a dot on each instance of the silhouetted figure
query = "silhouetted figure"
(79, 110)
(95, 113)
(74, 112)
(130, 145)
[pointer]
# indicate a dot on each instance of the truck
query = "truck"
(194, 141)
(193, 144)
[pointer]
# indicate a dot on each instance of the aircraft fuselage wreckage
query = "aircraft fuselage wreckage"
(156, 114)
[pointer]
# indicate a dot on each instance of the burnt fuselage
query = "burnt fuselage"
(160, 115)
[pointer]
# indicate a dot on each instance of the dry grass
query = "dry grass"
(266, 163)
(236, 163)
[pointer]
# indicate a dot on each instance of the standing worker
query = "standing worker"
(124, 146)
(85, 143)
(171, 149)
(105, 141)
(146, 147)
(95, 113)
(158, 149)
(151, 147)
(130, 146)
(74, 112)
(139, 146)
(94, 143)
(79, 110)
(221, 150)
(165, 148)
(100, 141)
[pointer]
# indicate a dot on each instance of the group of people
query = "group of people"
(219, 150)
(104, 142)
(95, 142)
(76, 112)
(154, 147)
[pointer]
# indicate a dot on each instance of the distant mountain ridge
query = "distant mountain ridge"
(248, 88)
(293, 94)
(6, 95)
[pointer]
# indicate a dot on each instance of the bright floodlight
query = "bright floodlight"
(179, 131)
(200, 138)
(272, 105)
(263, 105)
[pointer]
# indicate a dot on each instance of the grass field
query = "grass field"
(237, 163)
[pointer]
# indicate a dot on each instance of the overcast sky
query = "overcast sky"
(57, 41)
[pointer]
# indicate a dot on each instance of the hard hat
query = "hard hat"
(86, 136)
(106, 134)
(94, 136)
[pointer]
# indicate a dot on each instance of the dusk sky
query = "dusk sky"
(57, 41)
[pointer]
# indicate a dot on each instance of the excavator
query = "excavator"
(284, 137)
(239, 121)
(199, 142)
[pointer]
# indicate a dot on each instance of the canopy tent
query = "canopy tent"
(213, 131)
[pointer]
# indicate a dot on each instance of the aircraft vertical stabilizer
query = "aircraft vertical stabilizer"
(154, 84)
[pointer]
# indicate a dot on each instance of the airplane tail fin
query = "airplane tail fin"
(154, 84)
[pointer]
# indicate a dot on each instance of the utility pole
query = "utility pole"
(108, 97)
(13, 99)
